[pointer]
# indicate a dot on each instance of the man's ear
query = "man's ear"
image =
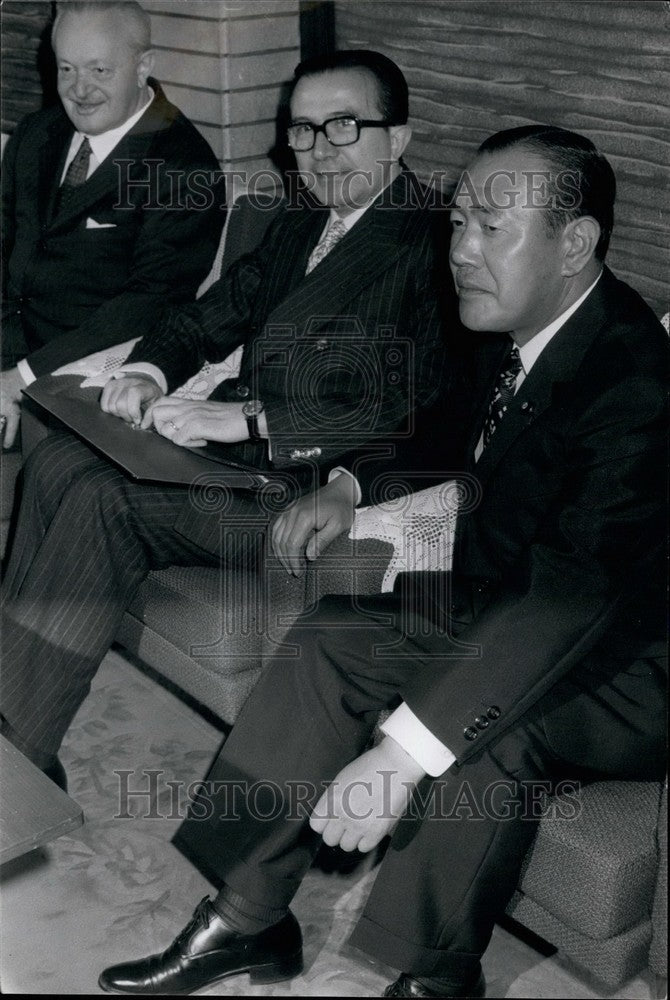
(580, 238)
(400, 136)
(145, 67)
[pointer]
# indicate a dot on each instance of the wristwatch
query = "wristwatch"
(252, 410)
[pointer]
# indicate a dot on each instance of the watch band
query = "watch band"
(253, 428)
(251, 412)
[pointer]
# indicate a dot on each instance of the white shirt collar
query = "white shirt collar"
(531, 351)
(103, 144)
(352, 218)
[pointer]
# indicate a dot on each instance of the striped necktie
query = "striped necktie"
(75, 176)
(503, 393)
(334, 233)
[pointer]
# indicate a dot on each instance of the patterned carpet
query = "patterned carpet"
(117, 888)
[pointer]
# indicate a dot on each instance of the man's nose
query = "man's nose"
(322, 148)
(464, 248)
(80, 86)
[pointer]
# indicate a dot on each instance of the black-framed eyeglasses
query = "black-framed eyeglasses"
(344, 130)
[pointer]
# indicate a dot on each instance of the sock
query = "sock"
(449, 987)
(244, 916)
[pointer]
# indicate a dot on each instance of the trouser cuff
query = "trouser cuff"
(408, 956)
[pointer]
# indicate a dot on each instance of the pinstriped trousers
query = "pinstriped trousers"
(86, 537)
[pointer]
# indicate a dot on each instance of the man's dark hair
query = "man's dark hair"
(393, 94)
(592, 185)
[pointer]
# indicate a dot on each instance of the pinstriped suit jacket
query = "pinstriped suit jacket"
(340, 357)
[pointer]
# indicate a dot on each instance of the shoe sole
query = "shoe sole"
(259, 975)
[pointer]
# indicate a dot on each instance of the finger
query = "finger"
(322, 538)
(148, 417)
(276, 541)
(370, 840)
(349, 840)
(12, 426)
(294, 548)
(332, 833)
(281, 533)
(193, 443)
(321, 813)
(106, 395)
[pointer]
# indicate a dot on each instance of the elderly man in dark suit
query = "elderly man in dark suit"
(541, 656)
(100, 223)
(340, 320)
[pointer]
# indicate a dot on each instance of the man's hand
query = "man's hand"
(128, 396)
(11, 384)
(306, 528)
(367, 798)
(192, 422)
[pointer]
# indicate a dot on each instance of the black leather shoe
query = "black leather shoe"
(206, 951)
(56, 772)
(405, 986)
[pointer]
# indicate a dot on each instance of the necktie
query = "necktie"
(75, 176)
(334, 233)
(503, 393)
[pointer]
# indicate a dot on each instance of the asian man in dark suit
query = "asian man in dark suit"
(542, 655)
(112, 203)
(342, 343)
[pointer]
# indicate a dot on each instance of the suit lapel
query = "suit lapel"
(556, 365)
(135, 145)
(51, 160)
(367, 249)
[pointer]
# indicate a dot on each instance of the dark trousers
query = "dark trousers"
(454, 860)
(86, 537)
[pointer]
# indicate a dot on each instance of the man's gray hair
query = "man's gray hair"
(134, 15)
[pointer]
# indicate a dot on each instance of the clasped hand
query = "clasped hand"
(308, 526)
(190, 423)
(367, 798)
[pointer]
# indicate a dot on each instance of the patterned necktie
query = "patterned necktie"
(75, 176)
(334, 233)
(502, 394)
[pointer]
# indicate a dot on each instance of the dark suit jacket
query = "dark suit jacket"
(70, 290)
(561, 554)
(340, 357)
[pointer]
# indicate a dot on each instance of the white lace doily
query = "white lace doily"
(98, 368)
(420, 527)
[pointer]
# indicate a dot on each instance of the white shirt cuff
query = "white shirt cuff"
(143, 368)
(339, 470)
(407, 729)
(25, 371)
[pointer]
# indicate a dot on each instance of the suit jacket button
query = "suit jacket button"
(315, 452)
(321, 344)
(493, 712)
(243, 391)
(470, 733)
(481, 722)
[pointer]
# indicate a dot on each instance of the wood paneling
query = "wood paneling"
(600, 68)
(23, 60)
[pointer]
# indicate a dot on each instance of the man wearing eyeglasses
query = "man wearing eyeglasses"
(339, 317)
